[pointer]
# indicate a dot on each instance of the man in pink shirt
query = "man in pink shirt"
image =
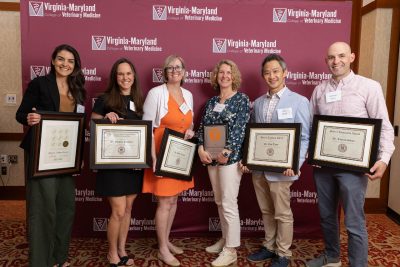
(351, 95)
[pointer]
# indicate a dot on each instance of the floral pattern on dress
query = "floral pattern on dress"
(236, 114)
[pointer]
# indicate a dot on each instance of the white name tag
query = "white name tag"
(80, 108)
(184, 108)
(333, 96)
(219, 107)
(132, 105)
(285, 113)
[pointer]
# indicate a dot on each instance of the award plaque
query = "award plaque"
(344, 142)
(57, 144)
(215, 136)
(272, 146)
(176, 156)
(122, 145)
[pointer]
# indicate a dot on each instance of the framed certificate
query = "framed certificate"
(57, 144)
(272, 146)
(215, 136)
(122, 145)
(344, 142)
(176, 156)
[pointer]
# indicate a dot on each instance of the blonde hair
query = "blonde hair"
(236, 76)
(167, 61)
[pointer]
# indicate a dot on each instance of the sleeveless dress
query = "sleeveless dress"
(165, 186)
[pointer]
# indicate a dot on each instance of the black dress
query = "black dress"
(117, 182)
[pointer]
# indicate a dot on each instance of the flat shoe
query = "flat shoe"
(124, 260)
(174, 262)
(176, 250)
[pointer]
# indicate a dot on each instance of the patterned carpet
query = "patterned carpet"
(384, 247)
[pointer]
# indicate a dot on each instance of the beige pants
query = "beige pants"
(274, 201)
(225, 181)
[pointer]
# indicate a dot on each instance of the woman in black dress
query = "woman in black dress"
(123, 99)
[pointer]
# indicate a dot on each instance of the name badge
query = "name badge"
(333, 96)
(132, 105)
(219, 107)
(80, 108)
(184, 108)
(285, 113)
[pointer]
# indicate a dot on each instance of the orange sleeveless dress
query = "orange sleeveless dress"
(165, 186)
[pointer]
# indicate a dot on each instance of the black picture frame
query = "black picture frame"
(174, 153)
(57, 144)
(347, 143)
(261, 140)
(125, 144)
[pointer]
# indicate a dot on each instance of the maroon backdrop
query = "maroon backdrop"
(202, 32)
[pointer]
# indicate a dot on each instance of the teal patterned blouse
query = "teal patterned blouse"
(236, 115)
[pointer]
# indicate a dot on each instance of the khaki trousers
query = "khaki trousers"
(225, 181)
(274, 202)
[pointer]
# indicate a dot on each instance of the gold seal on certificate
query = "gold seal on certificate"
(272, 146)
(123, 145)
(344, 142)
(215, 138)
(57, 147)
(176, 156)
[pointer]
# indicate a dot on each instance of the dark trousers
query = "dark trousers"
(348, 188)
(51, 209)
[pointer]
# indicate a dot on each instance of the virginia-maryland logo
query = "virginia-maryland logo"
(279, 15)
(158, 75)
(99, 224)
(36, 9)
(219, 45)
(37, 71)
(214, 224)
(98, 42)
(159, 12)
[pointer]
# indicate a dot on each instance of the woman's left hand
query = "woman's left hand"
(221, 159)
(189, 134)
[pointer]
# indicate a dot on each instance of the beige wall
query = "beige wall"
(374, 58)
(10, 83)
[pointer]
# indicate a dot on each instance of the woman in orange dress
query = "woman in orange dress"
(168, 106)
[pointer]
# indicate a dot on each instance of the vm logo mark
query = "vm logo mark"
(98, 43)
(159, 12)
(36, 9)
(158, 76)
(279, 15)
(219, 45)
(37, 71)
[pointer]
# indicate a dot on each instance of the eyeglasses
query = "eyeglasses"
(176, 68)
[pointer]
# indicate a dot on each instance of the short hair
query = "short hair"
(167, 61)
(272, 57)
(236, 76)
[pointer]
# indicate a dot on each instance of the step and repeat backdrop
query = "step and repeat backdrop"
(202, 32)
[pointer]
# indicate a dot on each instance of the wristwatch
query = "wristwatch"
(225, 154)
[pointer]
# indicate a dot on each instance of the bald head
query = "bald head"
(339, 46)
(339, 58)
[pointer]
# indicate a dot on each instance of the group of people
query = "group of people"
(50, 200)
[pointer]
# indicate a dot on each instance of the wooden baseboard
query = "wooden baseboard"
(12, 193)
(393, 215)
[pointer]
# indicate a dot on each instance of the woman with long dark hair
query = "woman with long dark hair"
(123, 99)
(51, 200)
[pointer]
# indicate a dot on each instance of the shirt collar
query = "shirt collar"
(345, 80)
(279, 94)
